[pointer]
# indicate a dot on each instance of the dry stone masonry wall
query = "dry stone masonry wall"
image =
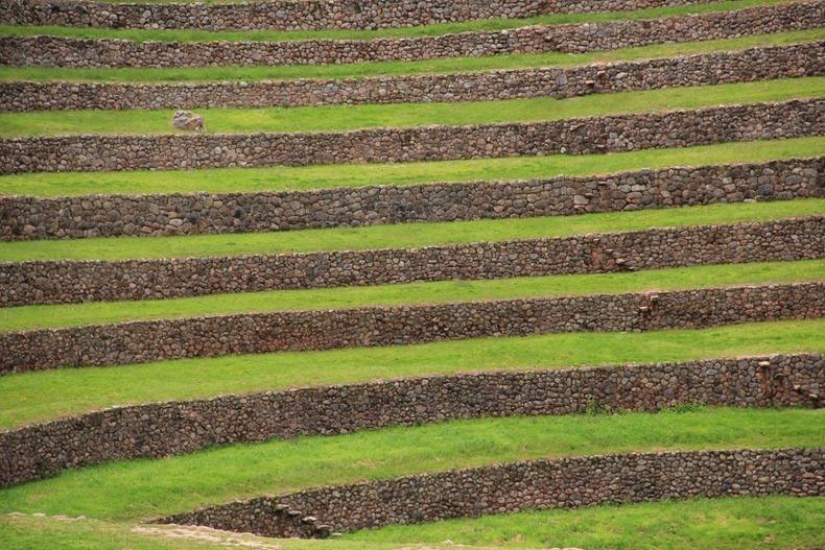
(293, 15)
(24, 217)
(506, 488)
(173, 428)
(50, 51)
(82, 281)
(164, 429)
(704, 69)
(144, 341)
(575, 136)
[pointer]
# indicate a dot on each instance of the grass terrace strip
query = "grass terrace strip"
(795, 118)
(293, 15)
(340, 118)
(72, 282)
(697, 70)
(414, 176)
(563, 483)
(69, 52)
(358, 71)
(435, 29)
(174, 428)
(655, 308)
(26, 318)
(29, 218)
(719, 523)
(396, 235)
(403, 235)
(50, 395)
(146, 341)
(119, 491)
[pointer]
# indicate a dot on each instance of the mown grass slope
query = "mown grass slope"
(118, 495)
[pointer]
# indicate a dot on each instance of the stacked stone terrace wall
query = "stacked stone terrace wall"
(144, 341)
(23, 217)
(704, 69)
(575, 136)
(540, 484)
(292, 15)
(50, 51)
(83, 281)
(164, 429)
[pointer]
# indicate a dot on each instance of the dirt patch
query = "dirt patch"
(223, 538)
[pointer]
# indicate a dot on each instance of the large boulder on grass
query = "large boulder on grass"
(188, 121)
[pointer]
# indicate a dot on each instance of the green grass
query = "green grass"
(197, 35)
(402, 235)
(42, 396)
(304, 178)
(151, 488)
(407, 294)
(337, 118)
(390, 68)
(718, 524)
(768, 523)
(127, 491)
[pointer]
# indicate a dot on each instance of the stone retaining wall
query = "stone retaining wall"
(51, 51)
(567, 483)
(290, 14)
(696, 70)
(203, 213)
(575, 136)
(164, 429)
(144, 341)
(513, 487)
(84, 281)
